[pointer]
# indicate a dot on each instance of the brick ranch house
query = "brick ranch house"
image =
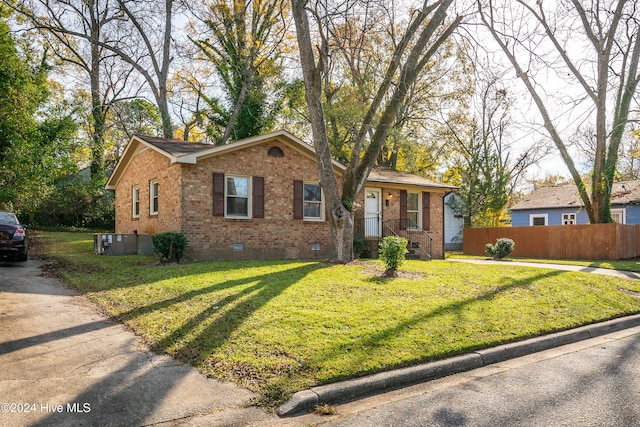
(260, 198)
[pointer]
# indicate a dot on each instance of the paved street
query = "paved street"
(591, 383)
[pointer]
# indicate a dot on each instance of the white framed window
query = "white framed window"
(313, 202)
(539, 219)
(413, 211)
(154, 191)
(135, 202)
(619, 215)
(237, 197)
(569, 219)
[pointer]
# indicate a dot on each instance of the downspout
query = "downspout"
(444, 243)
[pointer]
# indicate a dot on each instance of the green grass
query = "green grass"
(277, 327)
(624, 265)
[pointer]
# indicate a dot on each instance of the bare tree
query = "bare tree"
(427, 29)
(485, 163)
(593, 48)
(148, 48)
(72, 30)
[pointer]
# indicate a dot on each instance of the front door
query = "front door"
(372, 208)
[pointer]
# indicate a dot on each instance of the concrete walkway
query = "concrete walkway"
(64, 363)
(563, 267)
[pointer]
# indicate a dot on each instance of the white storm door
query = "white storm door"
(372, 214)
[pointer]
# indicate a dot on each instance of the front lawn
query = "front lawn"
(277, 327)
(624, 265)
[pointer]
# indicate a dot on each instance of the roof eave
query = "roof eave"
(127, 156)
(193, 158)
(399, 184)
(547, 208)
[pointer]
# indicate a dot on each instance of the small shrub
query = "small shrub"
(502, 248)
(392, 250)
(358, 248)
(169, 246)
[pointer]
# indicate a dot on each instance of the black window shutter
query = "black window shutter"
(258, 197)
(218, 194)
(298, 201)
(426, 210)
(403, 209)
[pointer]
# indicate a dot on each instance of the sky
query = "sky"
(564, 97)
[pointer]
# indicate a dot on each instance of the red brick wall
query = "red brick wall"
(146, 166)
(277, 235)
(392, 212)
(437, 225)
(186, 205)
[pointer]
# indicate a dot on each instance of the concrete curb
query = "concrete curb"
(345, 391)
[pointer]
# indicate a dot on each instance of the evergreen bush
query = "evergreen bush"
(502, 248)
(358, 248)
(169, 246)
(392, 250)
(75, 204)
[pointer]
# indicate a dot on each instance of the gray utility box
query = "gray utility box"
(122, 244)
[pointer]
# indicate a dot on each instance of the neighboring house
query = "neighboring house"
(562, 206)
(260, 198)
(453, 223)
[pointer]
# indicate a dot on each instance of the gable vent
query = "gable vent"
(275, 152)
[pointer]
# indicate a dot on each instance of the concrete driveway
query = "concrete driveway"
(64, 363)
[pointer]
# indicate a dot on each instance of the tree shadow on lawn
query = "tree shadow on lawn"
(214, 324)
(379, 340)
(236, 308)
(626, 266)
(353, 364)
(142, 271)
(108, 272)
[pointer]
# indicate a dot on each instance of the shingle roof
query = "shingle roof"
(175, 147)
(565, 196)
(189, 153)
(389, 176)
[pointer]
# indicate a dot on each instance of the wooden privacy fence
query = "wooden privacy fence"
(589, 242)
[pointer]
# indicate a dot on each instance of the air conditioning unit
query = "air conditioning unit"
(114, 244)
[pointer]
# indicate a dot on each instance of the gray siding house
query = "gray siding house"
(562, 206)
(453, 223)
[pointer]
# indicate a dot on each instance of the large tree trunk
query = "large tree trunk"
(98, 110)
(378, 119)
(165, 115)
(163, 73)
(340, 219)
(341, 225)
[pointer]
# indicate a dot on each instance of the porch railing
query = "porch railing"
(375, 229)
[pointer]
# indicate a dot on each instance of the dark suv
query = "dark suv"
(14, 242)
